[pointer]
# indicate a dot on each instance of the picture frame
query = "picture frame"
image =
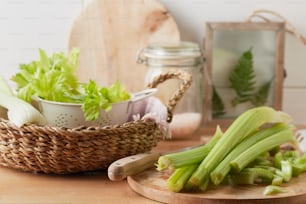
(232, 48)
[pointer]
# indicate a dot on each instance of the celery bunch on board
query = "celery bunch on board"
(248, 152)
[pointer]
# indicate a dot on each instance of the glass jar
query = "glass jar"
(160, 58)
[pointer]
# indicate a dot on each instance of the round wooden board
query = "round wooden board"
(110, 33)
(152, 184)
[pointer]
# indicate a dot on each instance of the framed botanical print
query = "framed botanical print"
(244, 64)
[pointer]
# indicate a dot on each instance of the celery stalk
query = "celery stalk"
(300, 163)
(296, 170)
(245, 177)
(262, 146)
(251, 176)
(278, 157)
(264, 174)
(246, 123)
(223, 168)
(269, 190)
(204, 185)
(188, 157)
(277, 180)
(179, 177)
(286, 169)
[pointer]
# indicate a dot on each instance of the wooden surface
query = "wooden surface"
(152, 184)
(18, 187)
(110, 33)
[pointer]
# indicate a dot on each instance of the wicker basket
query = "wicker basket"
(47, 149)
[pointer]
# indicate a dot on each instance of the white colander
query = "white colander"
(71, 115)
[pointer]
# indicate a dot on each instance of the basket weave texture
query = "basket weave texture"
(60, 150)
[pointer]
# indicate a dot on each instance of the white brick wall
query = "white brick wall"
(26, 25)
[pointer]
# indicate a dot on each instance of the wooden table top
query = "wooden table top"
(94, 187)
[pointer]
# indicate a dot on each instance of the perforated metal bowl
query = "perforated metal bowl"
(71, 115)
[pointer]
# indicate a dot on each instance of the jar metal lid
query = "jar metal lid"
(172, 51)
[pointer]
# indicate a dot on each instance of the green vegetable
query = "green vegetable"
(20, 112)
(178, 179)
(260, 147)
(97, 98)
(50, 78)
(253, 156)
(278, 159)
(224, 167)
(242, 126)
(277, 180)
(54, 78)
(286, 170)
(188, 157)
(245, 177)
(251, 176)
(271, 189)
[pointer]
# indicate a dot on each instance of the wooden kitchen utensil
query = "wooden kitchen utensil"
(110, 33)
(152, 184)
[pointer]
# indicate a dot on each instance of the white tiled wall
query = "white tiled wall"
(26, 25)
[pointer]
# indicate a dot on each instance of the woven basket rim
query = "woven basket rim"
(58, 150)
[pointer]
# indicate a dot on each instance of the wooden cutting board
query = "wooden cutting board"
(152, 184)
(109, 33)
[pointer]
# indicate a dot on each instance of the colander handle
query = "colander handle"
(186, 83)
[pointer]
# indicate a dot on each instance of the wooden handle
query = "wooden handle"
(131, 165)
(186, 83)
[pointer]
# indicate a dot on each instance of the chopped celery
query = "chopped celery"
(246, 176)
(223, 168)
(296, 169)
(278, 157)
(275, 150)
(251, 176)
(264, 145)
(277, 180)
(301, 160)
(264, 174)
(269, 190)
(291, 154)
(262, 161)
(188, 157)
(286, 169)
